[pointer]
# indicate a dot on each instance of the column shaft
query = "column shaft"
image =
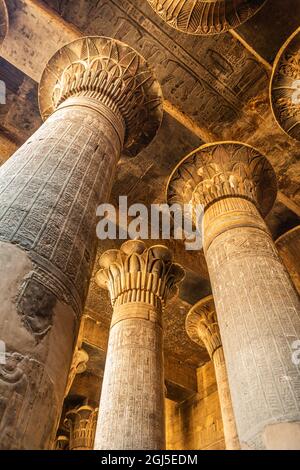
(258, 312)
(132, 401)
(139, 280)
(49, 192)
(81, 423)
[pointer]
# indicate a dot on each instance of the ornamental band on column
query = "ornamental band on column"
(3, 21)
(98, 98)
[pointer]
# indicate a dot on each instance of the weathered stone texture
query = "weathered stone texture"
(257, 305)
(81, 423)
(202, 327)
(49, 193)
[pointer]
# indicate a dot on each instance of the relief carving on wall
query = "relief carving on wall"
(285, 86)
(205, 17)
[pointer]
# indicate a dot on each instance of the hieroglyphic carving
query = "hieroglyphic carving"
(224, 169)
(78, 366)
(3, 20)
(140, 281)
(205, 17)
(81, 423)
(20, 394)
(112, 73)
(256, 303)
(186, 73)
(285, 86)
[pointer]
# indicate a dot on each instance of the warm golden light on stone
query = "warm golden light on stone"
(140, 281)
(205, 17)
(202, 327)
(256, 303)
(3, 20)
(285, 86)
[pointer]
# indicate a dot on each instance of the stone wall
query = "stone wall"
(196, 424)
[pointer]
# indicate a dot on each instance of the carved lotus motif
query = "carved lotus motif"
(137, 273)
(114, 74)
(202, 325)
(3, 21)
(205, 17)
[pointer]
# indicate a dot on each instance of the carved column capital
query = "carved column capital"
(81, 422)
(61, 443)
(137, 274)
(110, 73)
(202, 325)
(224, 170)
(288, 246)
(285, 86)
(205, 17)
(78, 366)
(3, 21)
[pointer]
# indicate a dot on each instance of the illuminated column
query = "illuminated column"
(131, 411)
(3, 21)
(288, 246)
(99, 98)
(257, 306)
(61, 443)
(202, 327)
(81, 422)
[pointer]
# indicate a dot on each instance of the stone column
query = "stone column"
(3, 21)
(202, 327)
(140, 281)
(205, 17)
(81, 422)
(288, 246)
(99, 98)
(257, 306)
